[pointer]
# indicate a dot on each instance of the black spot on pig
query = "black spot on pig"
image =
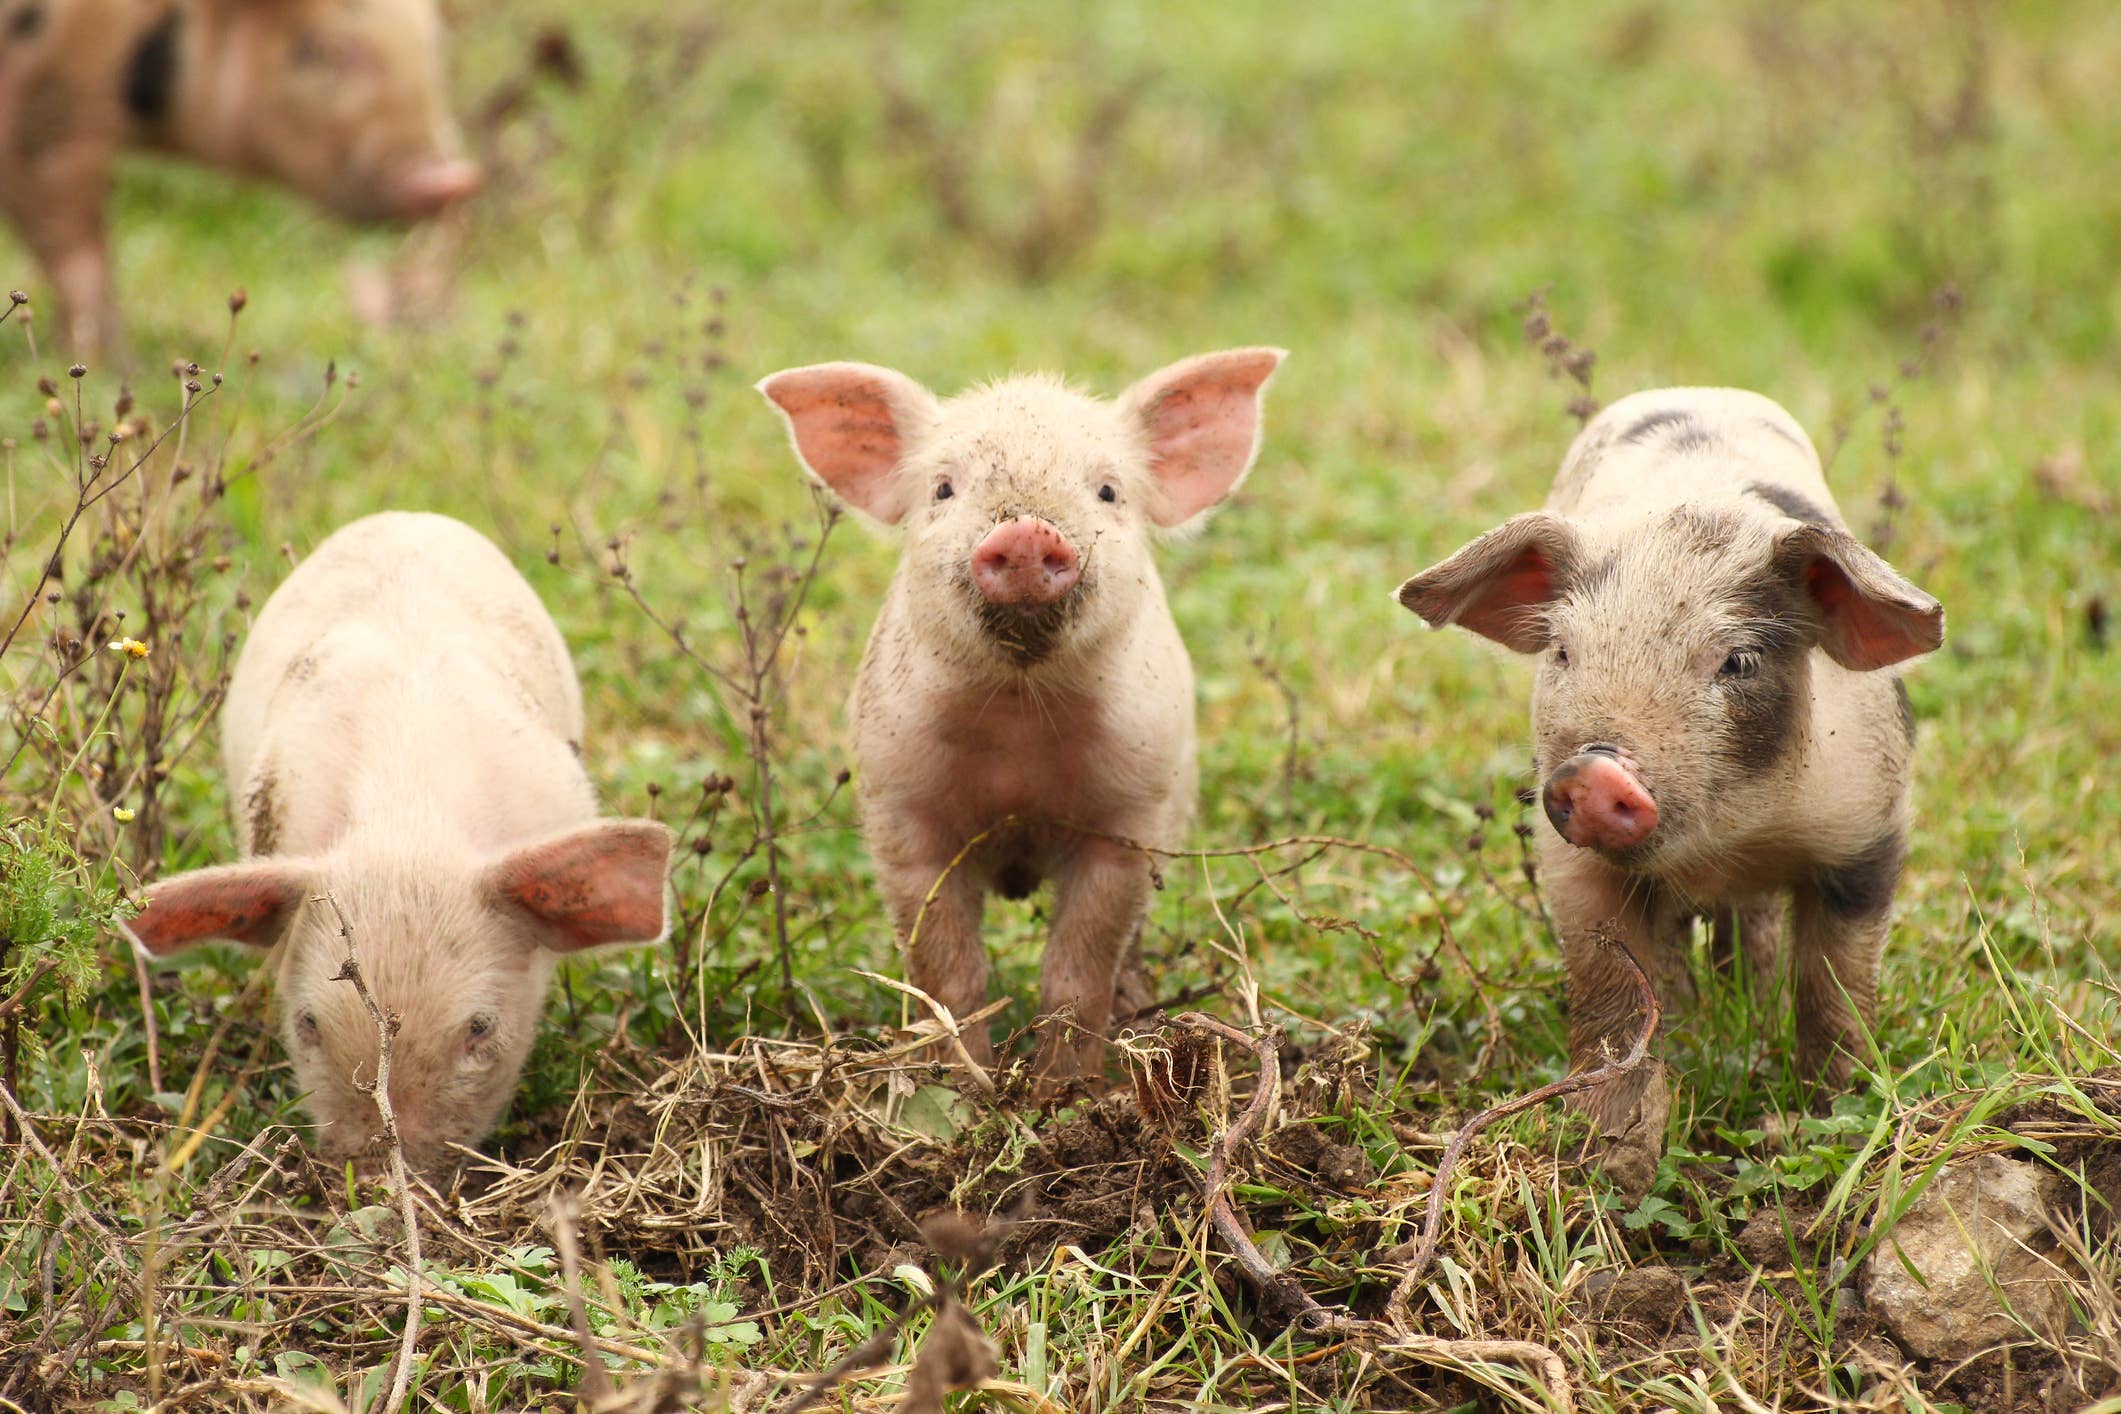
(1672, 428)
(1794, 504)
(25, 22)
(1766, 712)
(151, 72)
(1862, 887)
(1907, 710)
(1784, 433)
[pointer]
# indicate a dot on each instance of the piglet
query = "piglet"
(403, 732)
(341, 100)
(1717, 724)
(1025, 705)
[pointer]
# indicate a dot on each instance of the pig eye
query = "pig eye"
(1742, 664)
(1107, 494)
(943, 491)
(1561, 656)
(479, 1027)
(308, 1022)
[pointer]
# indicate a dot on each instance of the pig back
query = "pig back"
(1668, 447)
(398, 604)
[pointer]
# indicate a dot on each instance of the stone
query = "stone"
(1976, 1236)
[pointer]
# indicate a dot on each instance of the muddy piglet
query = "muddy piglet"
(1717, 724)
(403, 733)
(341, 100)
(1026, 703)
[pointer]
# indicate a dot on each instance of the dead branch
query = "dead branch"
(1236, 1234)
(1397, 1309)
(595, 1386)
(386, 1034)
(1288, 1296)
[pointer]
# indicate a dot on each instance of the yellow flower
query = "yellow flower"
(130, 647)
(122, 815)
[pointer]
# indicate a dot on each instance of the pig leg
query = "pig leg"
(944, 955)
(59, 208)
(1752, 930)
(1590, 898)
(1841, 920)
(1101, 895)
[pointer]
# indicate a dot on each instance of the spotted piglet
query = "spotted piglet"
(1025, 706)
(341, 100)
(1717, 725)
(403, 732)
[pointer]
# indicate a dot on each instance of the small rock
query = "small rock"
(1975, 1232)
(1648, 1296)
(1764, 1240)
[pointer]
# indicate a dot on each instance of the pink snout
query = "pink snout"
(1025, 561)
(1595, 802)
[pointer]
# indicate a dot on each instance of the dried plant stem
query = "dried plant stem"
(386, 1035)
(1398, 1309)
(596, 1385)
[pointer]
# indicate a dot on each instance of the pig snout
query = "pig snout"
(1595, 801)
(1025, 561)
(429, 188)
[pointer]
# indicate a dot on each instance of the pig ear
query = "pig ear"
(604, 883)
(852, 424)
(251, 902)
(1201, 418)
(1499, 586)
(1869, 617)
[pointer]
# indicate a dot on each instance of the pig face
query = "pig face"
(344, 101)
(1027, 507)
(459, 951)
(1674, 686)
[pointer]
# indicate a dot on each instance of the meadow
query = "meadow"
(718, 1180)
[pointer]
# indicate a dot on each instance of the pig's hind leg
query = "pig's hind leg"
(1752, 930)
(1101, 895)
(1841, 917)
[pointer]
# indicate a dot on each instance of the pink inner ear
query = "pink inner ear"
(1503, 608)
(243, 903)
(846, 430)
(1202, 417)
(1861, 632)
(595, 886)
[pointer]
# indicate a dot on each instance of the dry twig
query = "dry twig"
(386, 1034)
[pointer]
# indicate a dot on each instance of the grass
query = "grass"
(1762, 196)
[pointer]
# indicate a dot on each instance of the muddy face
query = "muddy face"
(459, 1047)
(1026, 506)
(1673, 692)
(346, 104)
(1026, 551)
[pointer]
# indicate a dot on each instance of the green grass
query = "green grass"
(1761, 196)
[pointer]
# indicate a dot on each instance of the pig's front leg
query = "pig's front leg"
(1591, 900)
(1100, 897)
(1841, 917)
(941, 937)
(59, 208)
